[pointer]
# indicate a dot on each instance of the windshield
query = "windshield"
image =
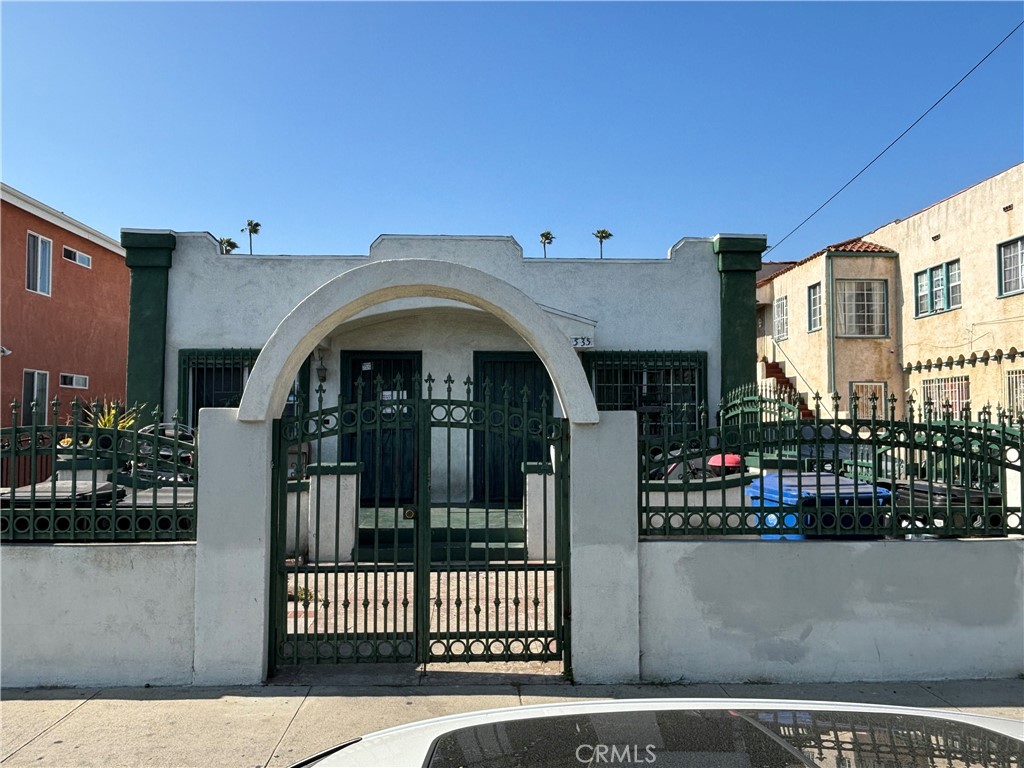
(727, 739)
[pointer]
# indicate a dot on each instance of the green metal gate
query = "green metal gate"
(381, 567)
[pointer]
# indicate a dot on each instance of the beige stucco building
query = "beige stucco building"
(931, 306)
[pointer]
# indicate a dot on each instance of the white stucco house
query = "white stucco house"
(429, 453)
(219, 310)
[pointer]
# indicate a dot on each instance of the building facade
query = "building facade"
(930, 306)
(644, 329)
(64, 321)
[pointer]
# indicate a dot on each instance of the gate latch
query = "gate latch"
(409, 513)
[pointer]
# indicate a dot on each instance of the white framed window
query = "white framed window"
(78, 257)
(1015, 392)
(864, 391)
(814, 307)
(862, 308)
(780, 316)
(937, 289)
(74, 381)
(35, 389)
(953, 279)
(1011, 267)
(956, 390)
(38, 256)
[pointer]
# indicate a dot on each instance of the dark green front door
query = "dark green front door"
(388, 456)
(497, 460)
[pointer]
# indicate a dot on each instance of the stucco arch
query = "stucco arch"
(350, 293)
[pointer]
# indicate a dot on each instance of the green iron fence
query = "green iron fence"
(871, 475)
(761, 402)
(431, 526)
(107, 474)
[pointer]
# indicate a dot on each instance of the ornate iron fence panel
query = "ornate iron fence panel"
(867, 476)
(387, 547)
(96, 472)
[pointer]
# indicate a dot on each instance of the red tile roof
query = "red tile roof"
(853, 245)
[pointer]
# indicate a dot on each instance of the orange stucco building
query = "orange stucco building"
(63, 307)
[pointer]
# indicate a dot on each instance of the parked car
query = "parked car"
(688, 732)
(843, 503)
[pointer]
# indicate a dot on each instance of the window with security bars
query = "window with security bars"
(864, 390)
(1011, 267)
(664, 388)
(956, 390)
(1015, 392)
(215, 378)
(862, 308)
(780, 313)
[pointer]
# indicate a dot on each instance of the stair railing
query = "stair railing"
(811, 389)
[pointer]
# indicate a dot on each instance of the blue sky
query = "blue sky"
(332, 123)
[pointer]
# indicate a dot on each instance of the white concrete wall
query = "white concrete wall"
(655, 304)
(97, 614)
(232, 579)
(831, 611)
(604, 573)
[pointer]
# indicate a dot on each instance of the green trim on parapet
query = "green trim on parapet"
(148, 255)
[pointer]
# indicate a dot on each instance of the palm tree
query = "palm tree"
(602, 235)
(228, 244)
(546, 239)
(253, 228)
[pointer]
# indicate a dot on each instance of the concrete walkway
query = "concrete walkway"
(307, 710)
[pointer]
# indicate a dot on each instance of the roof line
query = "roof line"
(41, 210)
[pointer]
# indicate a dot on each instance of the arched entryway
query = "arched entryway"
(412, 564)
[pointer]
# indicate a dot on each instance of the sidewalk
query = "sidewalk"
(277, 724)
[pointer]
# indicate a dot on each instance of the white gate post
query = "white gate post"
(605, 553)
(232, 549)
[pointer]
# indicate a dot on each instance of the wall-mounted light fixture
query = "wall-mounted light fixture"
(935, 237)
(321, 369)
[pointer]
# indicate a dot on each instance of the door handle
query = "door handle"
(409, 513)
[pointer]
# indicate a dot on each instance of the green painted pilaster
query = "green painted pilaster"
(739, 259)
(148, 256)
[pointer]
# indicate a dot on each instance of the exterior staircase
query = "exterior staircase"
(777, 373)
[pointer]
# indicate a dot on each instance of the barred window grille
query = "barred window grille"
(216, 378)
(954, 389)
(864, 391)
(1015, 392)
(212, 378)
(664, 388)
(862, 308)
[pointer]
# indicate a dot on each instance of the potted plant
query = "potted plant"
(100, 420)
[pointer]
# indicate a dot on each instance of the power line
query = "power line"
(893, 142)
